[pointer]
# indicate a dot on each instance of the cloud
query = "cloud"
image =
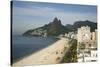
(52, 12)
(27, 18)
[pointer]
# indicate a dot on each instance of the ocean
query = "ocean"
(23, 46)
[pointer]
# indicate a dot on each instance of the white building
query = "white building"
(83, 34)
(71, 35)
(89, 41)
(66, 35)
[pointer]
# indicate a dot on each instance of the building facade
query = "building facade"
(86, 44)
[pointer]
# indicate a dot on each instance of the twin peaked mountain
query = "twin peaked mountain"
(55, 28)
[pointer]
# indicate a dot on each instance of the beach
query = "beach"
(52, 54)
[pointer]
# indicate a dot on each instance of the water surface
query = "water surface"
(23, 46)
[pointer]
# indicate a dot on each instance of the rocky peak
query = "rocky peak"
(56, 22)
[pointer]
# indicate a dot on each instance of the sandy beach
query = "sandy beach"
(49, 55)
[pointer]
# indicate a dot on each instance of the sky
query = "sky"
(29, 15)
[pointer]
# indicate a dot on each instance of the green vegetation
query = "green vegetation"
(71, 55)
(56, 28)
(78, 24)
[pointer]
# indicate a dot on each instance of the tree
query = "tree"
(82, 48)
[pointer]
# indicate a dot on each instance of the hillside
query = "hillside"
(78, 24)
(56, 28)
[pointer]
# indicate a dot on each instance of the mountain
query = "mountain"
(56, 28)
(78, 24)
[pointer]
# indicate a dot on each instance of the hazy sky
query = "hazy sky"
(29, 15)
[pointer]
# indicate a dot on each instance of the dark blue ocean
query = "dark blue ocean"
(23, 46)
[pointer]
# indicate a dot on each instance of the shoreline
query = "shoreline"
(50, 55)
(20, 58)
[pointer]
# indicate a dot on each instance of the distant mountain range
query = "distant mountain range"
(78, 24)
(56, 28)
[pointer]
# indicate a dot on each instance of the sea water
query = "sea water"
(23, 46)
